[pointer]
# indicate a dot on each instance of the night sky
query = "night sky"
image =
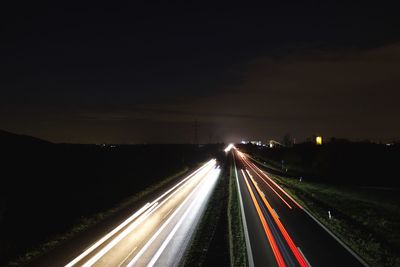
(108, 73)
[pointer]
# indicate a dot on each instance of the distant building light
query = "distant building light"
(318, 140)
(257, 143)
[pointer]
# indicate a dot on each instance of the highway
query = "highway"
(280, 231)
(158, 233)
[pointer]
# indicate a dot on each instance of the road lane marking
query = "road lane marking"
(345, 246)
(285, 234)
(167, 214)
(106, 237)
(246, 231)
(337, 239)
(309, 265)
(283, 191)
(284, 201)
(267, 230)
(156, 234)
(134, 216)
(129, 229)
(178, 188)
(130, 253)
(208, 186)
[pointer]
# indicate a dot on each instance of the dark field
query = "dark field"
(48, 188)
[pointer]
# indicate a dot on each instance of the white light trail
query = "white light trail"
(147, 210)
(110, 245)
(150, 241)
(201, 196)
(228, 148)
(106, 237)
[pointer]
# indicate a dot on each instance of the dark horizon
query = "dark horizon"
(147, 73)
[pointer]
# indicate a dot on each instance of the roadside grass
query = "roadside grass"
(87, 222)
(366, 219)
(202, 243)
(237, 244)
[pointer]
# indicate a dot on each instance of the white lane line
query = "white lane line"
(337, 239)
(130, 253)
(133, 226)
(308, 263)
(139, 212)
(106, 237)
(206, 188)
(156, 234)
(284, 201)
(129, 229)
(320, 224)
(202, 168)
(246, 231)
(167, 214)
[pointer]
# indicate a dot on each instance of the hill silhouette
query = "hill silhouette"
(8, 138)
(46, 188)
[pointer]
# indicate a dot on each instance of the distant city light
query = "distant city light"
(318, 140)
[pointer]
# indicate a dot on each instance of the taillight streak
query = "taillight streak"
(267, 230)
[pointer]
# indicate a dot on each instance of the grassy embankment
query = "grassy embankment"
(366, 219)
(87, 222)
(237, 242)
(219, 238)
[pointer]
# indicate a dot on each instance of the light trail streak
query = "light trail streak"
(284, 201)
(147, 210)
(200, 197)
(110, 245)
(208, 164)
(128, 230)
(280, 188)
(267, 230)
(293, 247)
(228, 148)
(106, 237)
(259, 171)
(151, 240)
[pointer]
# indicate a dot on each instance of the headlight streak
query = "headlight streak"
(200, 197)
(110, 245)
(147, 209)
(106, 237)
(150, 241)
(228, 148)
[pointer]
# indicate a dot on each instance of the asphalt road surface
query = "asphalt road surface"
(281, 232)
(158, 233)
